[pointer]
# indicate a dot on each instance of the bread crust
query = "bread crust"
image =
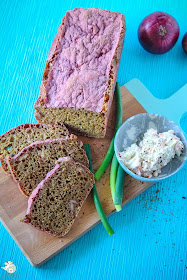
(13, 131)
(49, 176)
(35, 147)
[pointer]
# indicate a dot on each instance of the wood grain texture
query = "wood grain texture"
(38, 246)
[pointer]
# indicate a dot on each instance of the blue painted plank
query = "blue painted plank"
(149, 241)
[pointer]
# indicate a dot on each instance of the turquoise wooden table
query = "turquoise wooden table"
(149, 240)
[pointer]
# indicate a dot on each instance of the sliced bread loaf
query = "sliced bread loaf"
(57, 200)
(21, 136)
(30, 166)
(81, 69)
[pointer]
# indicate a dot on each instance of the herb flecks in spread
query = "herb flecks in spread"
(154, 152)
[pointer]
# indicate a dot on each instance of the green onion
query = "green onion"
(119, 108)
(118, 196)
(116, 173)
(105, 162)
(110, 151)
(113, 174)
(96, 198)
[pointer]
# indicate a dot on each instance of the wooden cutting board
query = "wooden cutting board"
(37, 246)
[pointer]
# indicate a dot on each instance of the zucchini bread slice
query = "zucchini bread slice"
(14, 140)
(81, 69)
(57, 200)
(30, 166)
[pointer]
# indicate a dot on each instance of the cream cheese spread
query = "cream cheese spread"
(154, 152)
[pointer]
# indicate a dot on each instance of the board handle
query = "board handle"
(173, 108)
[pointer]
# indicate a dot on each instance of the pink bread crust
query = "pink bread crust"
(37, 143)
(24, 126)
(8, 160)
(49, 175)
(64, 97)
(41, 185)
(3, 161)
(32, 146)
(28, 125)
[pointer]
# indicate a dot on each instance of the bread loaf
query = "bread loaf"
(81, 69)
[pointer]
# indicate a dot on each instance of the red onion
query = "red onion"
(184, 42)
(158, 33)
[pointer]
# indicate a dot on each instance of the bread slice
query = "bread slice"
(30, 166)
(81, 69)
(57, 200)
(21, 136)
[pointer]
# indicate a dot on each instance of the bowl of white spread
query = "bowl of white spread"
(150, 147)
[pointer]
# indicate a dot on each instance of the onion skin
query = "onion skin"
(184, 42)
(158, 33)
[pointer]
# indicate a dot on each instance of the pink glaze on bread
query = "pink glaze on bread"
(80, 71)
